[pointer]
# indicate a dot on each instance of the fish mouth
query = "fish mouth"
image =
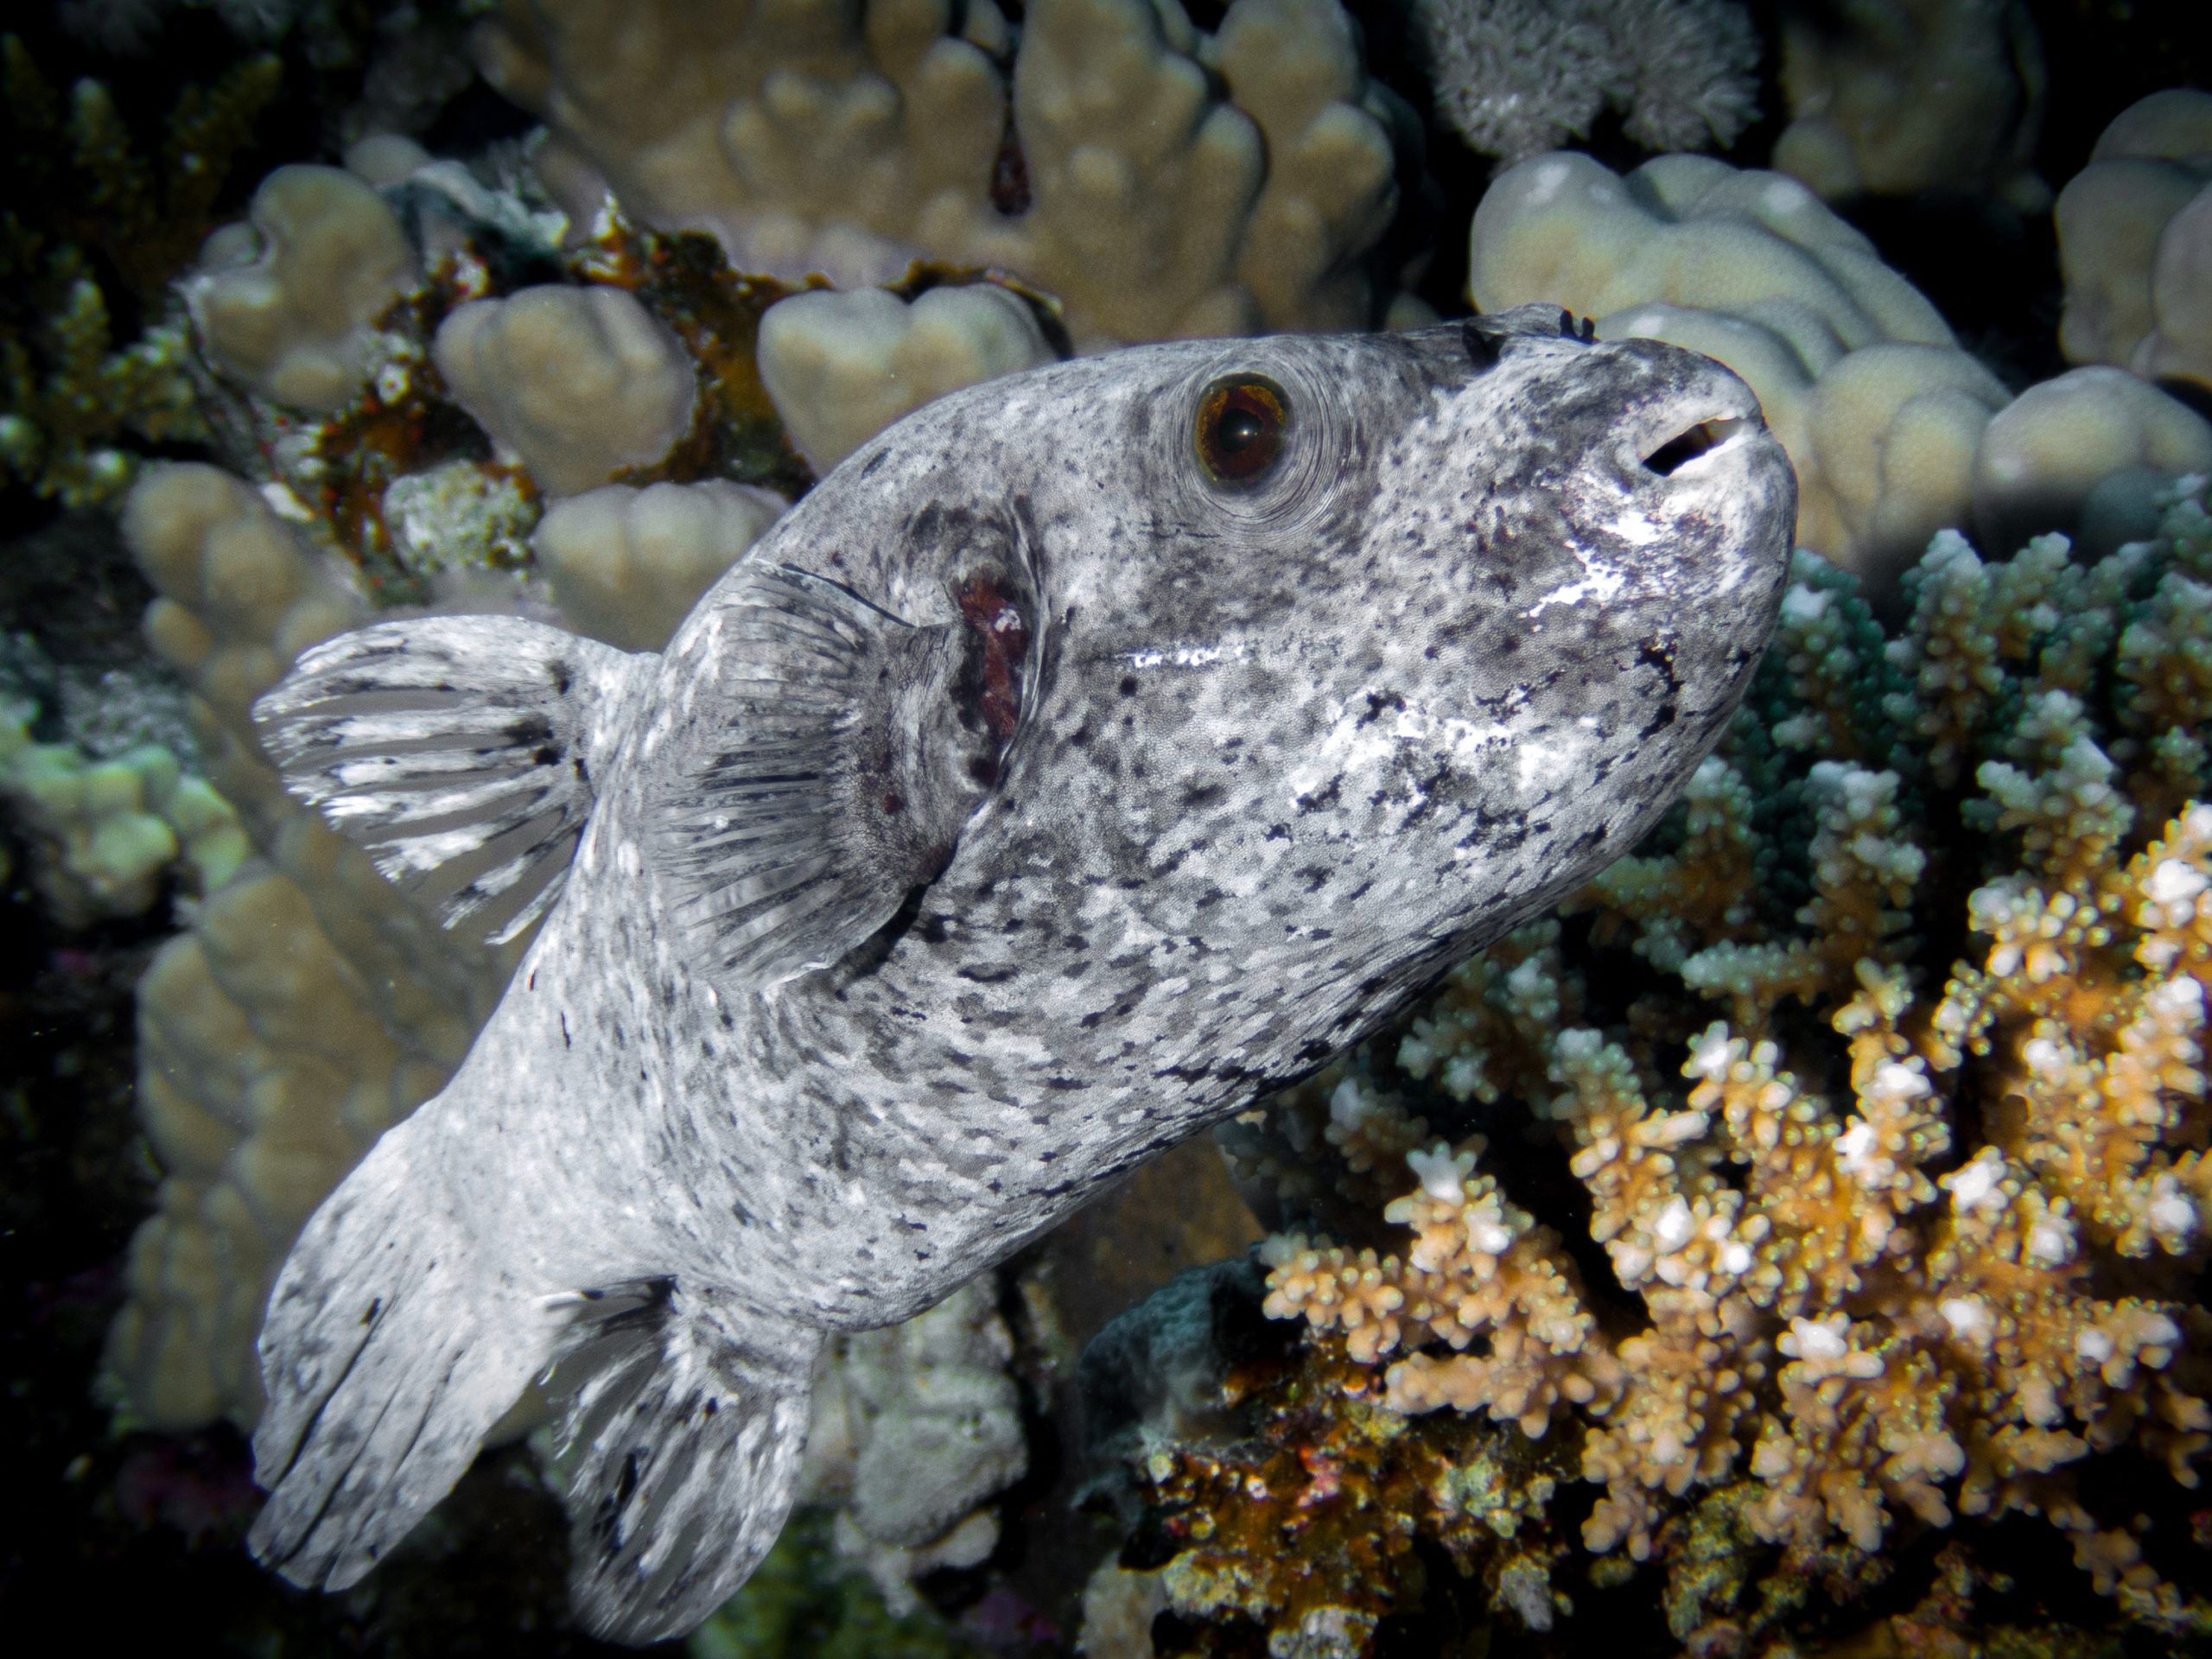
(1698, 440)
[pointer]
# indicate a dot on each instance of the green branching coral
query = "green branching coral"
(1878, 1074)
(97, 230)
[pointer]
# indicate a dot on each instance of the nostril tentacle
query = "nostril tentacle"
(1685, 447)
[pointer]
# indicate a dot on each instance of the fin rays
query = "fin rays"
(452, 750)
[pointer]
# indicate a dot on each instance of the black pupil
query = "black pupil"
(1240, 430)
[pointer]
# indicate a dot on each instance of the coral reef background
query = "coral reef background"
(1880, 1331)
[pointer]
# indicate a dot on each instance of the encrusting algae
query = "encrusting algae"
(1918, 1233)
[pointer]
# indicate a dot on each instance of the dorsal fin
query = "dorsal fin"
(854, 748)
(457, 751)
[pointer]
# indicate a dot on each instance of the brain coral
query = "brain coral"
(1157, 179)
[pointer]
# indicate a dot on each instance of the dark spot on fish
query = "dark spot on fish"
(376, 1307)
(628, 1481)
(559, 671)
(529, 731)
(1484, 348)
(876, 461)
(893, 802)
(546, 755)
(583, 772)
(1204, 794)
(988, 976)
(1128, 686)
(711, 1408)
(1654, 655)
(564, 1029)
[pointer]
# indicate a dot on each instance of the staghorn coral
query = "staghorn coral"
(1514, 77)
(99, 230)
(1157, 180)
(1918, 1236)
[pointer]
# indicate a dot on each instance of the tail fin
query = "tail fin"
(680, 1451)
(390, 1349)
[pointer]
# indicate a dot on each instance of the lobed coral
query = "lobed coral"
(1157, 180)
(2135, 242)
(1919, 1234)
(1515, 77)
(1893, 429)
(106, 832)
(841, 367)
(916, 1427)
(1895, 97)
(308, 1007)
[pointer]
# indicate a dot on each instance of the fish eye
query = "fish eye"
(1240, 426)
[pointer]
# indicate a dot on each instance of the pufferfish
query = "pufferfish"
(1092, 753)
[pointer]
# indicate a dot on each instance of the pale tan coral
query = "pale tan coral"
(309, 1006)
(285, 301)
(841, 367)
(577, 382)
(1858, 376)
(1902, 97)
(2135, 242)
(626, 565)
(852, 140)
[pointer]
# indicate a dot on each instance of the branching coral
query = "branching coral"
(111, 227)
(1514, 78)
(1920, 1233)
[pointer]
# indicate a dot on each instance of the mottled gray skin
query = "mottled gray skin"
(1286, 753)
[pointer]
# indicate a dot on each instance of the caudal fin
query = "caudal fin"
(686, 1416)
(389, 1351)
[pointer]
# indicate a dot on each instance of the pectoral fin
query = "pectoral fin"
(457, 751)
(854, 749)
